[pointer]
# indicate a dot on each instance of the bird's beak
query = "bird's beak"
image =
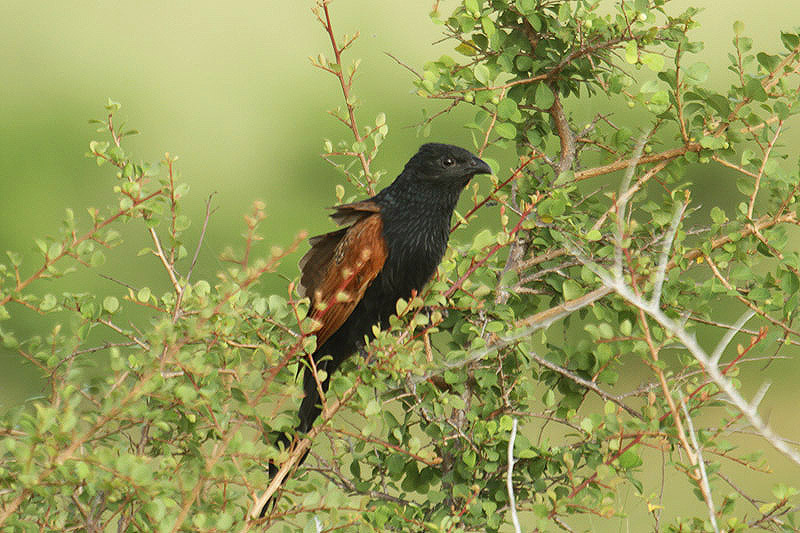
(479, 166)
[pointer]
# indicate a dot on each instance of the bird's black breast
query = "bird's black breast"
(416, 241)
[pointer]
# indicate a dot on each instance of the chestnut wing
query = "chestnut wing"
(340, 265)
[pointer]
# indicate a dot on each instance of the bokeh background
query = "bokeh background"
(228, 87)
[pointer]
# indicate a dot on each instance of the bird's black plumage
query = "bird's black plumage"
(413, 217)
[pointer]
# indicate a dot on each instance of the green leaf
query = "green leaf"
(572, 290)
(697, 73)
(631, 52)
(14, 257)
(97, 259)
(373, 408)
(738, 27)
(525, 7)
(790, 40)
(754, 90)
(659, 102)
(713, 143)
(143, 295)
(564, 12)
(469, 457)
(110, 304)
(488, 27)
(630, 459)
(718, 215)
(654, 62)
(483, 239)
(506, 108)
(549, 399)
(769, 62)
(182, 223)
(467, 48)
(482, 73)
(535, 21)
(544, 97)
(112, 106)
(565, 177)
(48, 303)
(505, 130)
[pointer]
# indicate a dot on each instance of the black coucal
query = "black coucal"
(390, 246)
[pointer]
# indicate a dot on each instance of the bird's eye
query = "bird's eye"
(448, 161)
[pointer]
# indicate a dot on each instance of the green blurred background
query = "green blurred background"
(228, 87)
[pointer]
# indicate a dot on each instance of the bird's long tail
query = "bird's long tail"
(309, 411)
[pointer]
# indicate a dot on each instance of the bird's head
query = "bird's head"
(445, 164)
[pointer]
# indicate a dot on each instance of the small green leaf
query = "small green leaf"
(112, 106)
(48, 303)
(718, 215)
(549, 399)
(572, 290)
(654, 62)
(483, 239)
(505, 130)
(544, 97)
(697, 73)
(754, 90)
(506, 108)
(594, 235)
(373, 408)
(790, 40)
(525, 7)
(631, 52)
(472, 7)
(629, 459)
(482, 73)
(713, 143)
(110, 304)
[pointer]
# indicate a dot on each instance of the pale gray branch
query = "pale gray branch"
(728, 337)
(749, 411)
(509, 482)
(664, 258)
(706, 488)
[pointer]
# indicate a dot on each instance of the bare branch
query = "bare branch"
(705, 488)
(509, 480)
(690, 342)
(664, 257)
(621, 205)
(728, 337)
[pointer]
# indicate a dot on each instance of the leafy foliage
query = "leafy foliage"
(167, 422)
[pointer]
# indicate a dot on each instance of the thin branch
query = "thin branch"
(404, 65)
(509, 480)
(159, 252)
(729, 335)
(565, 135)
(530, 325)
(664, 257)
(761, 169)
(299, 450)
(621, 164)
(704, 485)
(209, 212)
(591, 385)
(621, 204)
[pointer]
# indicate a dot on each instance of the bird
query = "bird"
(388, 248)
